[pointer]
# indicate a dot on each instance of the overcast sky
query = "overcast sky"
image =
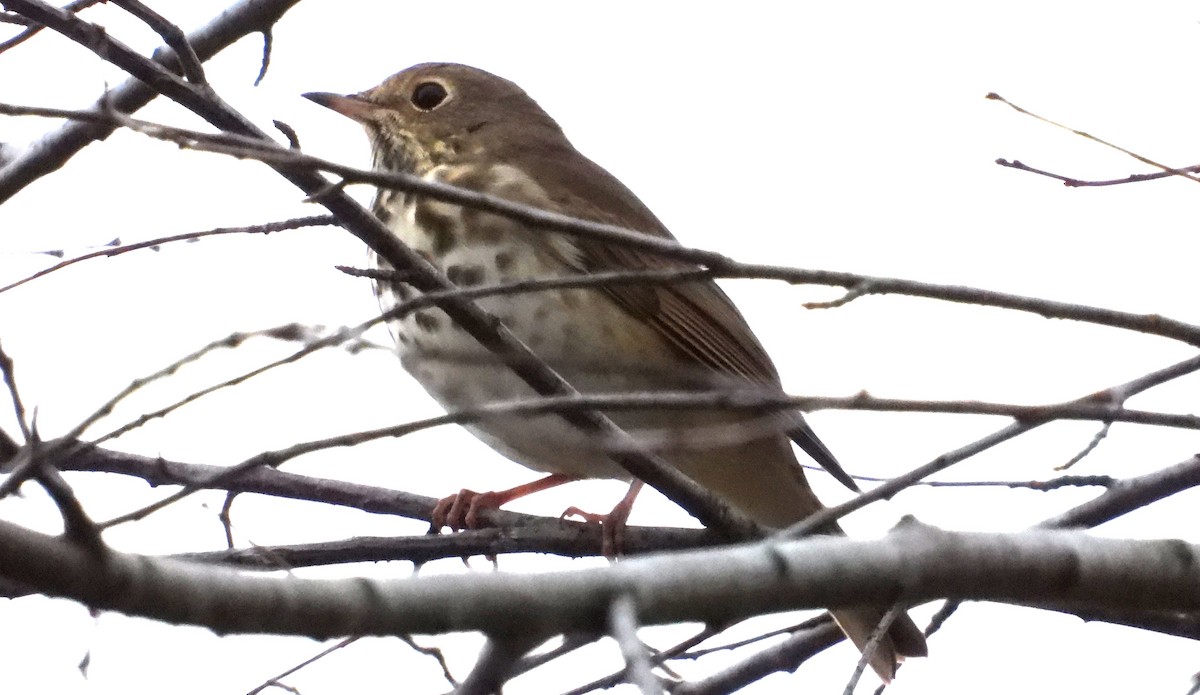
(844, 136)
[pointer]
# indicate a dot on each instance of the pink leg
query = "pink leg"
(462, 510)
(612, 524)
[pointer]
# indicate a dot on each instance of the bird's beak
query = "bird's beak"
(353, 106)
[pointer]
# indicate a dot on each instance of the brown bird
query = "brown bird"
(466, 127)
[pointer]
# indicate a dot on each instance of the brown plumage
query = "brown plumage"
(464, 126)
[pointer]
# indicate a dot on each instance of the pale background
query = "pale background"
(845, 136)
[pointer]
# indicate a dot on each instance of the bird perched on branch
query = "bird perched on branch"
(468, 128)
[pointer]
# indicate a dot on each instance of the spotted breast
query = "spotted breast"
(580, 333)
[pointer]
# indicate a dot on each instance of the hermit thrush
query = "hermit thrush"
(463, 126)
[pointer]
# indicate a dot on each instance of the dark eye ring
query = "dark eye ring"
(427, 96)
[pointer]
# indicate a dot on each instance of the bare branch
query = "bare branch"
(55, 149)
(110, 251)
(435, 654)
(1115, 394)
(1081, 183)
(785, 656)
(517, 532)
(35, 461)
(229, 342)
(1100, 436)
(877, 635)
(541, 535)
(597, 404)
(565, 405)
(78, 526)
(1122, 497)
(1059, 568)
(33, 27)
(1183, 173)
(268, 34)
(1065, 481)
(657, 659)
(719, 265)
(291, 331)
(496, 661)
(10, 381)
(7, 17)
(274, 681)
(569, 644)
(1127, 495)
(171, 35)
(622, 625)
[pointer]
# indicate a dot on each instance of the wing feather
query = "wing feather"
(697, 318)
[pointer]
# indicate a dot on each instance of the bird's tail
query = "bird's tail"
(903, 638)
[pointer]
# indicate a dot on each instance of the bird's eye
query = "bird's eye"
(429, 95)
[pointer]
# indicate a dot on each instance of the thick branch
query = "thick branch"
(1063, 568)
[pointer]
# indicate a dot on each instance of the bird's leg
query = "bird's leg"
(461, 510)
(612, 524)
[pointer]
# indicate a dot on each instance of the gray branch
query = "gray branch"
(55, 149)
(1052, 568)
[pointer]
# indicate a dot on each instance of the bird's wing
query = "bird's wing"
(698, 318)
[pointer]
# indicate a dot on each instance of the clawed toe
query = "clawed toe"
(612, 527)
(461, 511)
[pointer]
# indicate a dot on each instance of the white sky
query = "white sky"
(849, 136)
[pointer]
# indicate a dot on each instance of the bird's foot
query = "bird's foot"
(612, 524)
(461, 511)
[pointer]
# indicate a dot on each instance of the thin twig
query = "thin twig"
(273, 682)
(268, 35)
(1129, 494)
(1100, 436)
(609, 402)
(695, 654)
(33, 27)
(54, 149)
(229, 342)
(722, 266)
(110, 251)
(7, 368)
(1117, 394)
(748, 400)
(570, 643)
(1065, 481)
(338, 337)
(1083, 183)
(226, 518)
(1182, 173)
(660, 657)
(872, 645)
(785, 656)
(433, 652)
